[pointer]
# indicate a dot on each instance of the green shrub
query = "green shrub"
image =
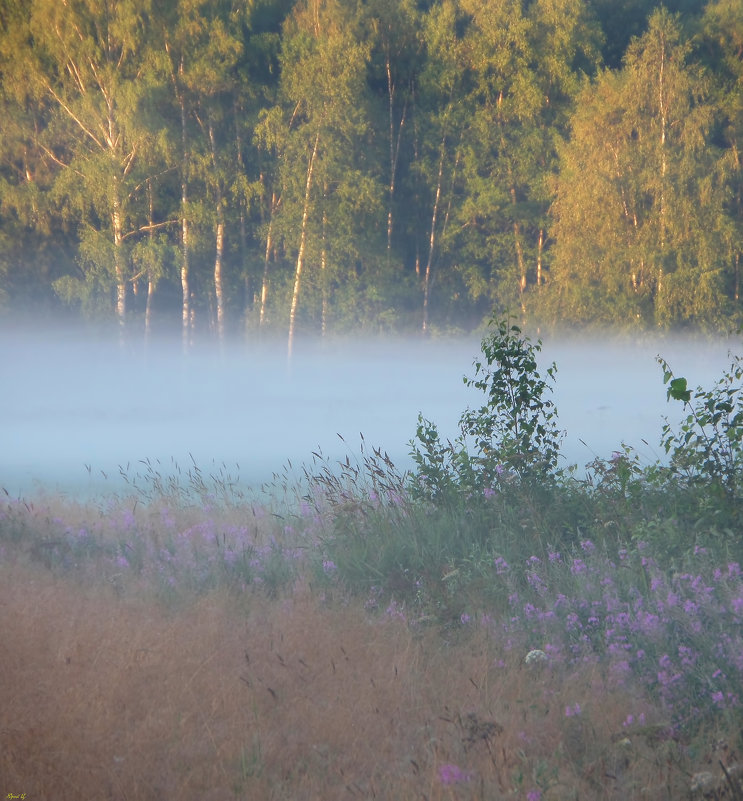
(708, 448)
(513, 436)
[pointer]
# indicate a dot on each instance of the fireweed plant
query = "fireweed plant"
(630, 575)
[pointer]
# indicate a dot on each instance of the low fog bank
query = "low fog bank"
(71, 400)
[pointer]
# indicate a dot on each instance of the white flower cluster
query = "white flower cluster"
(536, 657)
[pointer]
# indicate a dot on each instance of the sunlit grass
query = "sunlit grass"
(334, 638)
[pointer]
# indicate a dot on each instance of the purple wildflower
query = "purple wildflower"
(572, 622)
(395, 611)
(452, 774)
(394, 498)
(690, 607)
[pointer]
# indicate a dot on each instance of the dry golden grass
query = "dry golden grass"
(106, 697)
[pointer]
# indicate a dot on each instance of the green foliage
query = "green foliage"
(471, 155)
(708, 448)
(517, 427)
(641, 225)
(514, 435)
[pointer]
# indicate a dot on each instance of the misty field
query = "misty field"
(484, 626)
(184, 649)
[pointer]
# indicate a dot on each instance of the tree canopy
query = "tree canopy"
(328, 166)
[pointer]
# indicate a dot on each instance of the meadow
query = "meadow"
(488, 625)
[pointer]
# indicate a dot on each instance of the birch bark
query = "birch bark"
(302, 245)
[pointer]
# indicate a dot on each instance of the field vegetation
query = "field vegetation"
(491, 625)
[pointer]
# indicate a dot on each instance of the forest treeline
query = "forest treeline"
(350, 165)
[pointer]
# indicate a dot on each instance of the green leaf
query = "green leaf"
(678, 391)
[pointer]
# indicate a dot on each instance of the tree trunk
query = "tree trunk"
(150, 280)
(394, 153)
(218, 284)
(118, 260)
(243, 215)
(432, 239)
(323, 273)
(219, 237)
(540, 248)
(516, 229)
(521, 263)
(186, 316)
(302, 244)
(269, 247)
(663, 166)
(519, 256)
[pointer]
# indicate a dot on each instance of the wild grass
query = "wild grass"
(362, 633)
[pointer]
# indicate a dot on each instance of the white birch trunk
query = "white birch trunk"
(264, 282)
(186, 317)
(323, 275)
(519, 257)
(118, 261)
(663, 166)
(150, 281)
(394, 154)
(432, 239)
(267, 259)
(219, 238)
(302, 245)
(540, 249)
(218, 284)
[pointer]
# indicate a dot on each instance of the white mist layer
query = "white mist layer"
(67, 403)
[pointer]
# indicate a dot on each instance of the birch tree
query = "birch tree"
(322, 90)
(202, 48)
(439, 124)
(639, 210)
(30, 225)
(213, 113)
(84, 59)
(722, 44)
(393, 32)
(525, 70)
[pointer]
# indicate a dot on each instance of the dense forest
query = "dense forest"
(371, 165)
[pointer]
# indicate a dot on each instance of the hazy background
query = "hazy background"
(69, 400)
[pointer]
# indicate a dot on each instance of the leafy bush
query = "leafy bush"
(708, 448)
(514, 435)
